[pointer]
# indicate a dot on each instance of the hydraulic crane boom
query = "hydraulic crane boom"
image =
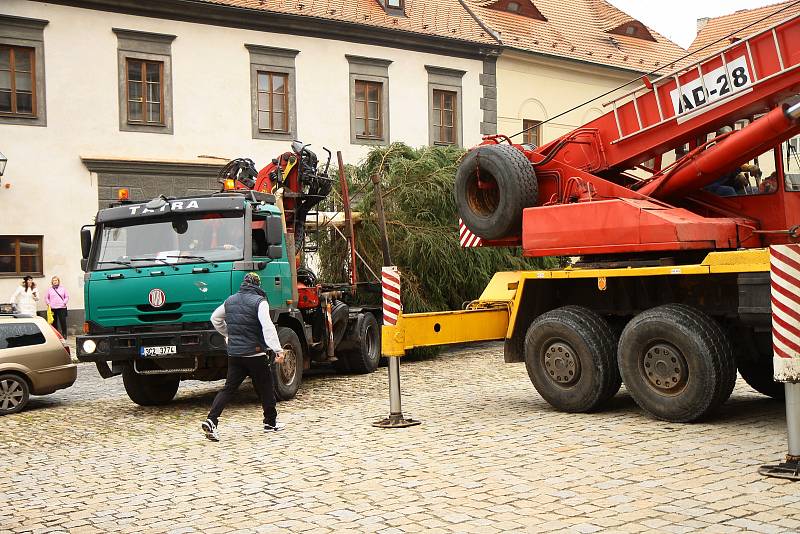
(575, 195)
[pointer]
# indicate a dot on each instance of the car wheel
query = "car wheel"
(14, 394)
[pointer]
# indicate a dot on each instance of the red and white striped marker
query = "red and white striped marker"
(390, 281)
(467, 238)
(785, 277)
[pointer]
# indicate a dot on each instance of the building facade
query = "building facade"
(99, 99)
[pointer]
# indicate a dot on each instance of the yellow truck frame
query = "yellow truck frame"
(727, 289)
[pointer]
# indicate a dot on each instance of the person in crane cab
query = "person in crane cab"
(253, 346)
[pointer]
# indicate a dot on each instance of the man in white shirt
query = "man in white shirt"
(253, 346)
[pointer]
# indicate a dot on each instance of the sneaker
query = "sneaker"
(210, 429)
(274, 428)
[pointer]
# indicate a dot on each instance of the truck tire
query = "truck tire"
(509, 185)
(677, 363)
(759, 376)
(14, 393)
(570, 358)
(288, 375)
(365, 340)
(150, 390)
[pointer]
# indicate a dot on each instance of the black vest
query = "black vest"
(245, 335)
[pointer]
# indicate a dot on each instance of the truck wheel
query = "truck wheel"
(14, 394)
(494, 183)
(677, 363)
(569, 355)
(365, 355)
(288, 375)
(150, 390)
(759, 376)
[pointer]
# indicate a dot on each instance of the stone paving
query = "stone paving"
(490, 456)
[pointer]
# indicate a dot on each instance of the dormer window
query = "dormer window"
(395, 8)
(526, 8)
(633, 28)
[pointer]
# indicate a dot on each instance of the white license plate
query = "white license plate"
(158, 351)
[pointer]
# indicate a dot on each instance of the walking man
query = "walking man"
(253, 346)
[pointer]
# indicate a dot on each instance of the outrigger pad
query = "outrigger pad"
(790, 469)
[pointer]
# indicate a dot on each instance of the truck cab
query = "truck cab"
(154, 273)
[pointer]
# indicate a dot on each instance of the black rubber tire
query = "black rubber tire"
(696, 343)
(365, 340)
(584, 336)
(18, 387)
(286, 386)
(759, 376)
(495, 213)
(150, 390)
(340, 314)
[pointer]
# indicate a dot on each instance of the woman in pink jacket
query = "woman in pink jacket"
(57, 298)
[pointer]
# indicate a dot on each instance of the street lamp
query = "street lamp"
(3, 161)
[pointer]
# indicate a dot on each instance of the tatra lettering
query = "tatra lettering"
(134, 209)
(177, 205)
(192, 204)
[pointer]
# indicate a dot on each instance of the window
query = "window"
(369, 100)
(368, 109)
(272, 92)
(791, 163)
(444, 105)
(20, 255)
(17, 80)
(513, 7)
(444, 117)
(145, 81)
(533, 132)
(395, 4)
(19, 334)
(22, 96)
(145, 91)
(395, 8)
(273, 101)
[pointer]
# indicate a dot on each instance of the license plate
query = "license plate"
(158, 351)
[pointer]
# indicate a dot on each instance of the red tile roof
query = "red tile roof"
(744, 23)
(442, 18)
(579, 29)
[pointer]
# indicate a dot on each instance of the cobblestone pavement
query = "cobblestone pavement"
(490, 456)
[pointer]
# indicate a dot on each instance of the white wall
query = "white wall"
(53, 194)
(538, 88)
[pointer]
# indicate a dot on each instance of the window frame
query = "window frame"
(527, 135)
(270, 93)
(12, 49)
(20, 32)
(367, 69)
(268, 59)
(448, 80)
(17, 256)
(454, 128)
(148, 48)
(365, 107)
(144, 101)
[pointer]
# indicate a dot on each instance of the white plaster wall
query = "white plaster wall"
(52, 193)
(538, 88)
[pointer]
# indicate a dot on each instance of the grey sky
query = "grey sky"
(677, 19)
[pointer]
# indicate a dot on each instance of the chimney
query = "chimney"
(701, 23)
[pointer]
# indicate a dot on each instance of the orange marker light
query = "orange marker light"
(230, 185)
(123, 193)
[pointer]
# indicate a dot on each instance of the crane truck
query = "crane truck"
(156, 270)
(670, 293)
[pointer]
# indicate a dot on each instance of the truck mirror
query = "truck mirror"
(273, 231)
(274, 252)
(86, 243)
(84, 265)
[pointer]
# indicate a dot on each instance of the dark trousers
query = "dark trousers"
(258, 369)
(60, 320)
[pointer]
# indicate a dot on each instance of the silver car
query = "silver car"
(34, 360)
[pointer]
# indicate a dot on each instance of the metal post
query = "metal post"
(392, 313)
(786, 360)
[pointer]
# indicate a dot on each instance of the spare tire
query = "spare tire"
(494, 183)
